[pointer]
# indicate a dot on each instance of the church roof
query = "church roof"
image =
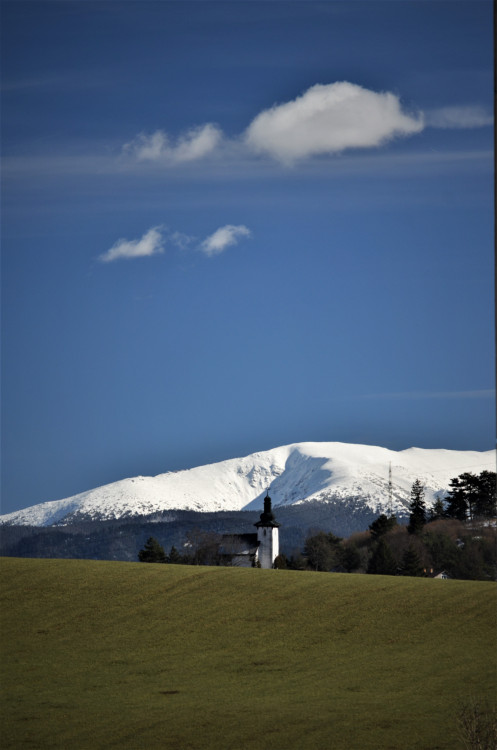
(238, 544)
(267, 516)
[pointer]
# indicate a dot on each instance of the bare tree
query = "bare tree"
(203, 547)
(477, 724)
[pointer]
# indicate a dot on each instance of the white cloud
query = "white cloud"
(181, 240)
(222, 238)
(197, 143)
(327, 119)
(194, 144)
(148, 147)
(459, 117)
(151, 243)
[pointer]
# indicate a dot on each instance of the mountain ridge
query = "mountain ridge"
(295, 474)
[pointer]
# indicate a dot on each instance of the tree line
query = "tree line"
(200, 548)
(455, 537)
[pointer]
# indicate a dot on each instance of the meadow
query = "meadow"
(128, 655)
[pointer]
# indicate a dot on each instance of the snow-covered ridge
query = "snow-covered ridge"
(295, 473)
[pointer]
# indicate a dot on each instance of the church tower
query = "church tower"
(268, 535)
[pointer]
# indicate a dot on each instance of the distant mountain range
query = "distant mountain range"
(338, 474)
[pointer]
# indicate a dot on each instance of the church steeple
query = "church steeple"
(267, 516)
(267, 535)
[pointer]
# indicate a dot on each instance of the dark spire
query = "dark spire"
(267, 516)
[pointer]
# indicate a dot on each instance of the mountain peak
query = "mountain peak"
(297, 473)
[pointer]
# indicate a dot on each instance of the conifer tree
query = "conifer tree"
(456, 501)
(349, 557)
(382, 525)
(438, 510)
(280, 563)
(152, 552)
(411, 563)
(486, 503)
(417, 508)
(382, 562)
(472, 496)
(174, 556)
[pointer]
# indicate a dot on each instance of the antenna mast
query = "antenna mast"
(390, 493)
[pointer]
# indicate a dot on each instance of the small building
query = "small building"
(253, 550)
(430, 573)
(443, 575)
(239, 550)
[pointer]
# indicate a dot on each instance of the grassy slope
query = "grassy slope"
(123, 655)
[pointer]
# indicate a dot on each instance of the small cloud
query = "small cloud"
(459, 117)
(181, 240)
(327, 119)
(148, 147)
(222, 238)
(197, 143)
(194, 144)
(152, 243)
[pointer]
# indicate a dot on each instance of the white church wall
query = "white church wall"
(269, 545)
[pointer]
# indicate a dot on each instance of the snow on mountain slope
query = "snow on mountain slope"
(295, 473)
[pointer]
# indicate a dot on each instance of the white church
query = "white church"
(254, 550)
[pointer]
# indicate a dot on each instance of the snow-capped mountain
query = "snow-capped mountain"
(295, 474)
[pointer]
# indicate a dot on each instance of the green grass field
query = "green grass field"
(124, 655)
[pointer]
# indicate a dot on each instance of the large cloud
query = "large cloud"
(151, 243)
(327, 119)
(194, 144)
(223, 238)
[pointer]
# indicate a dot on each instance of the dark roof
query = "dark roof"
(267, 516)
(238, 544)
(247, 538)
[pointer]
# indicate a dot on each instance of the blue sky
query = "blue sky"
(234, 225)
